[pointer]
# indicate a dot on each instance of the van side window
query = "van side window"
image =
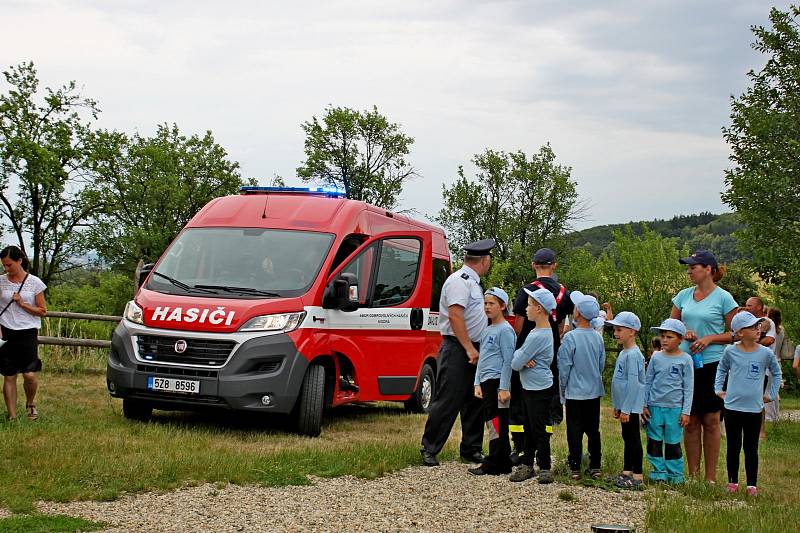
(348, 246)
(361, 266)
(441, 269)
(398, 266)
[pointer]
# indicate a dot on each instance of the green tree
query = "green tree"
(637, 272)
(92, 290)
(646, 276)
(151, 187)
(359, 151)
(580, 270)
(43, 150)
(739, 281)
(763, 185)
(524, 201)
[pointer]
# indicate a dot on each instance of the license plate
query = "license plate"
(185, 386)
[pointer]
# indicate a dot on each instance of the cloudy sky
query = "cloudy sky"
(632, 95)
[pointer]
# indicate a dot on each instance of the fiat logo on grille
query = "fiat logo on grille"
(181, 346)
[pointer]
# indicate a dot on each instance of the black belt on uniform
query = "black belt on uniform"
(453, 338)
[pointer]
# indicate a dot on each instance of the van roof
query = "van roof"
(295, 211)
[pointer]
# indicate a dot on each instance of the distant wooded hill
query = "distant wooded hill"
(702, 231)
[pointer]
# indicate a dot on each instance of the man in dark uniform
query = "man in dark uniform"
(544, 264)
(461, 322)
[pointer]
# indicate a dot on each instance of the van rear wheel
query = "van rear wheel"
(311, 402)
(136, 410)
(420, 401)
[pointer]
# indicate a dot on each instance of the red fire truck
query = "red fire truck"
(284, 300)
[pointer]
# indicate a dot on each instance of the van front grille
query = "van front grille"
(177, 371)
(185, 351)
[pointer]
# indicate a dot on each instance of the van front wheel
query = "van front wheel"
(311, 402)
(420, 401)
(136, 410)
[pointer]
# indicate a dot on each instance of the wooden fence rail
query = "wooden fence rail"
(83, 316)
(85, 343)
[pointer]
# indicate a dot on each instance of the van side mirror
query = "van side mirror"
(143, 273)
(342, 293)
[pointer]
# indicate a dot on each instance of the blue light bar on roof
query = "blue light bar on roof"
(330, 192)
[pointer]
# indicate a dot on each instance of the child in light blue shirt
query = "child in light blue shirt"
(581, 359)
(668, 403)
(745, 364)
(497, 349)
(537, 351)
(532, 360)
(492, 380)
(627, 397)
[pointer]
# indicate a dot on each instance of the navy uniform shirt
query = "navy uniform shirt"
(463, 288)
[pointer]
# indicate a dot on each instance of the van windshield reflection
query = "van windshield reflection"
(241, 263)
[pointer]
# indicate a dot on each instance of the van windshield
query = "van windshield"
(241, 263)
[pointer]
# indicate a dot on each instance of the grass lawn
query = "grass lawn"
(39, 523)
(82, 448)
(790, 402)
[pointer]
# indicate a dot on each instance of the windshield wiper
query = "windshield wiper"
(182, 285)
(243, 290)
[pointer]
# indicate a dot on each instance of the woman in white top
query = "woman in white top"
(22, 304)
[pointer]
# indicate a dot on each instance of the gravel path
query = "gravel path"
(446, 498)
(790, 415)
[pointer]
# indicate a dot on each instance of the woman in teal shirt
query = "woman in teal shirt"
(707, 311)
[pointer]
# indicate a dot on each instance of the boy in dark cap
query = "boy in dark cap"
(544, 264)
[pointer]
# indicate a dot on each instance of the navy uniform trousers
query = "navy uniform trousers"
(455, 394)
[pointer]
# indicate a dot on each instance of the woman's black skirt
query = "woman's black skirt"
(20, 353)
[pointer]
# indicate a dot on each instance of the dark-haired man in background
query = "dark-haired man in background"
(544, 264)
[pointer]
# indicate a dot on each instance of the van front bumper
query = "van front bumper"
(259, 365)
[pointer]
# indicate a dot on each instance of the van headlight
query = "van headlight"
(134, 313)
(282, 322)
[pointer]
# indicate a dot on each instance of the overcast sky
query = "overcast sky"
(631, 95)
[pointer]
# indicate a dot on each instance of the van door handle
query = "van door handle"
(416, 318)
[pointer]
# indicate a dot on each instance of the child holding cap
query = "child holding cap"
(492, 382)
(532, 360)
(627, 396)
(581, 358)
(668, 403)
(745, 364)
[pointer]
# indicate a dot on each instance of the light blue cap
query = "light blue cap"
(744, 319)
(587, 305)
(544, 297)
(626, 319)
(672, 324)
(498, 293)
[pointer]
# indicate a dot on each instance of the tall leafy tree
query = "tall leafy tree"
(151, 187)
(46, 195)
(763, 185)
(524, 201)
(359, 151)
(637, 272)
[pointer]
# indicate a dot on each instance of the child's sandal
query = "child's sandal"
(628, 483)
(33, 414)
